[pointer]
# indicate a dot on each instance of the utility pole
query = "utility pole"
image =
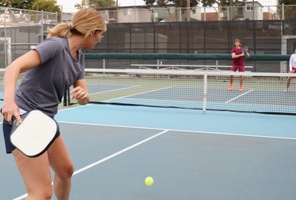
(188, 10)
(230, 9)
(86, 4)
(253, 5)
(117, 18)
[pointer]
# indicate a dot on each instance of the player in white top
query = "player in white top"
(292, 67)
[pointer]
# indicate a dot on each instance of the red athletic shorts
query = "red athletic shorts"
(240, 68)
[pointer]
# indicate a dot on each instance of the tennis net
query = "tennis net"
(191, 89)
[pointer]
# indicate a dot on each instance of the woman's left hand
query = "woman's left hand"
(80, 94)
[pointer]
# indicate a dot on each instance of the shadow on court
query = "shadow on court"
(112, 161)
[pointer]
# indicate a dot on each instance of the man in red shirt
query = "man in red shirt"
(238, 62)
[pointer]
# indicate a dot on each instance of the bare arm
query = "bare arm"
(80, 92)
(21, 64)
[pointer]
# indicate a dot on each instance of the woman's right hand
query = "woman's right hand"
(9, 110)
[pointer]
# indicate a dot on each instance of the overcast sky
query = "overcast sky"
(68, 6)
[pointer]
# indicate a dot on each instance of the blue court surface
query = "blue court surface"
(191, 155)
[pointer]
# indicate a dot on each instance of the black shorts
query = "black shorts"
(6, 132)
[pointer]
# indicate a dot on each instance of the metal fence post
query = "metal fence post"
(283, 11)
(5, 44)
(41, 24)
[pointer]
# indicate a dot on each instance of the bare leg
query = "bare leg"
(241, 80)
(36, 175)
(288, 82)
(63, 168)
(231, 83)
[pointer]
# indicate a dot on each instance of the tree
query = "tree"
(46, 5)
(289, 9)
(222, 2)
(22, 4)
(193, 3)
(95, 3)
(176, 3)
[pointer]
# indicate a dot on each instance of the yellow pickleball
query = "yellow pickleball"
(149, 181)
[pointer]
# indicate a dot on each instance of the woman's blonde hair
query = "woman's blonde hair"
(84, 22)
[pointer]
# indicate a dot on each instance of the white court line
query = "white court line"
(108, 157)
(182, 131)
(239, 96)
(113, 90)
(145, 92)
(119, 152)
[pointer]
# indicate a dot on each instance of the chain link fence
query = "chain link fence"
(21, 30)
(199, 37)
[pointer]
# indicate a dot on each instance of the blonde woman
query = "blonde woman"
(50, 68)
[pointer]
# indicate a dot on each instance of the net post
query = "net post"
(68, 97)
(65, 97)
(217, 68)
(157, 67)
(204, 106)
(104, 65)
